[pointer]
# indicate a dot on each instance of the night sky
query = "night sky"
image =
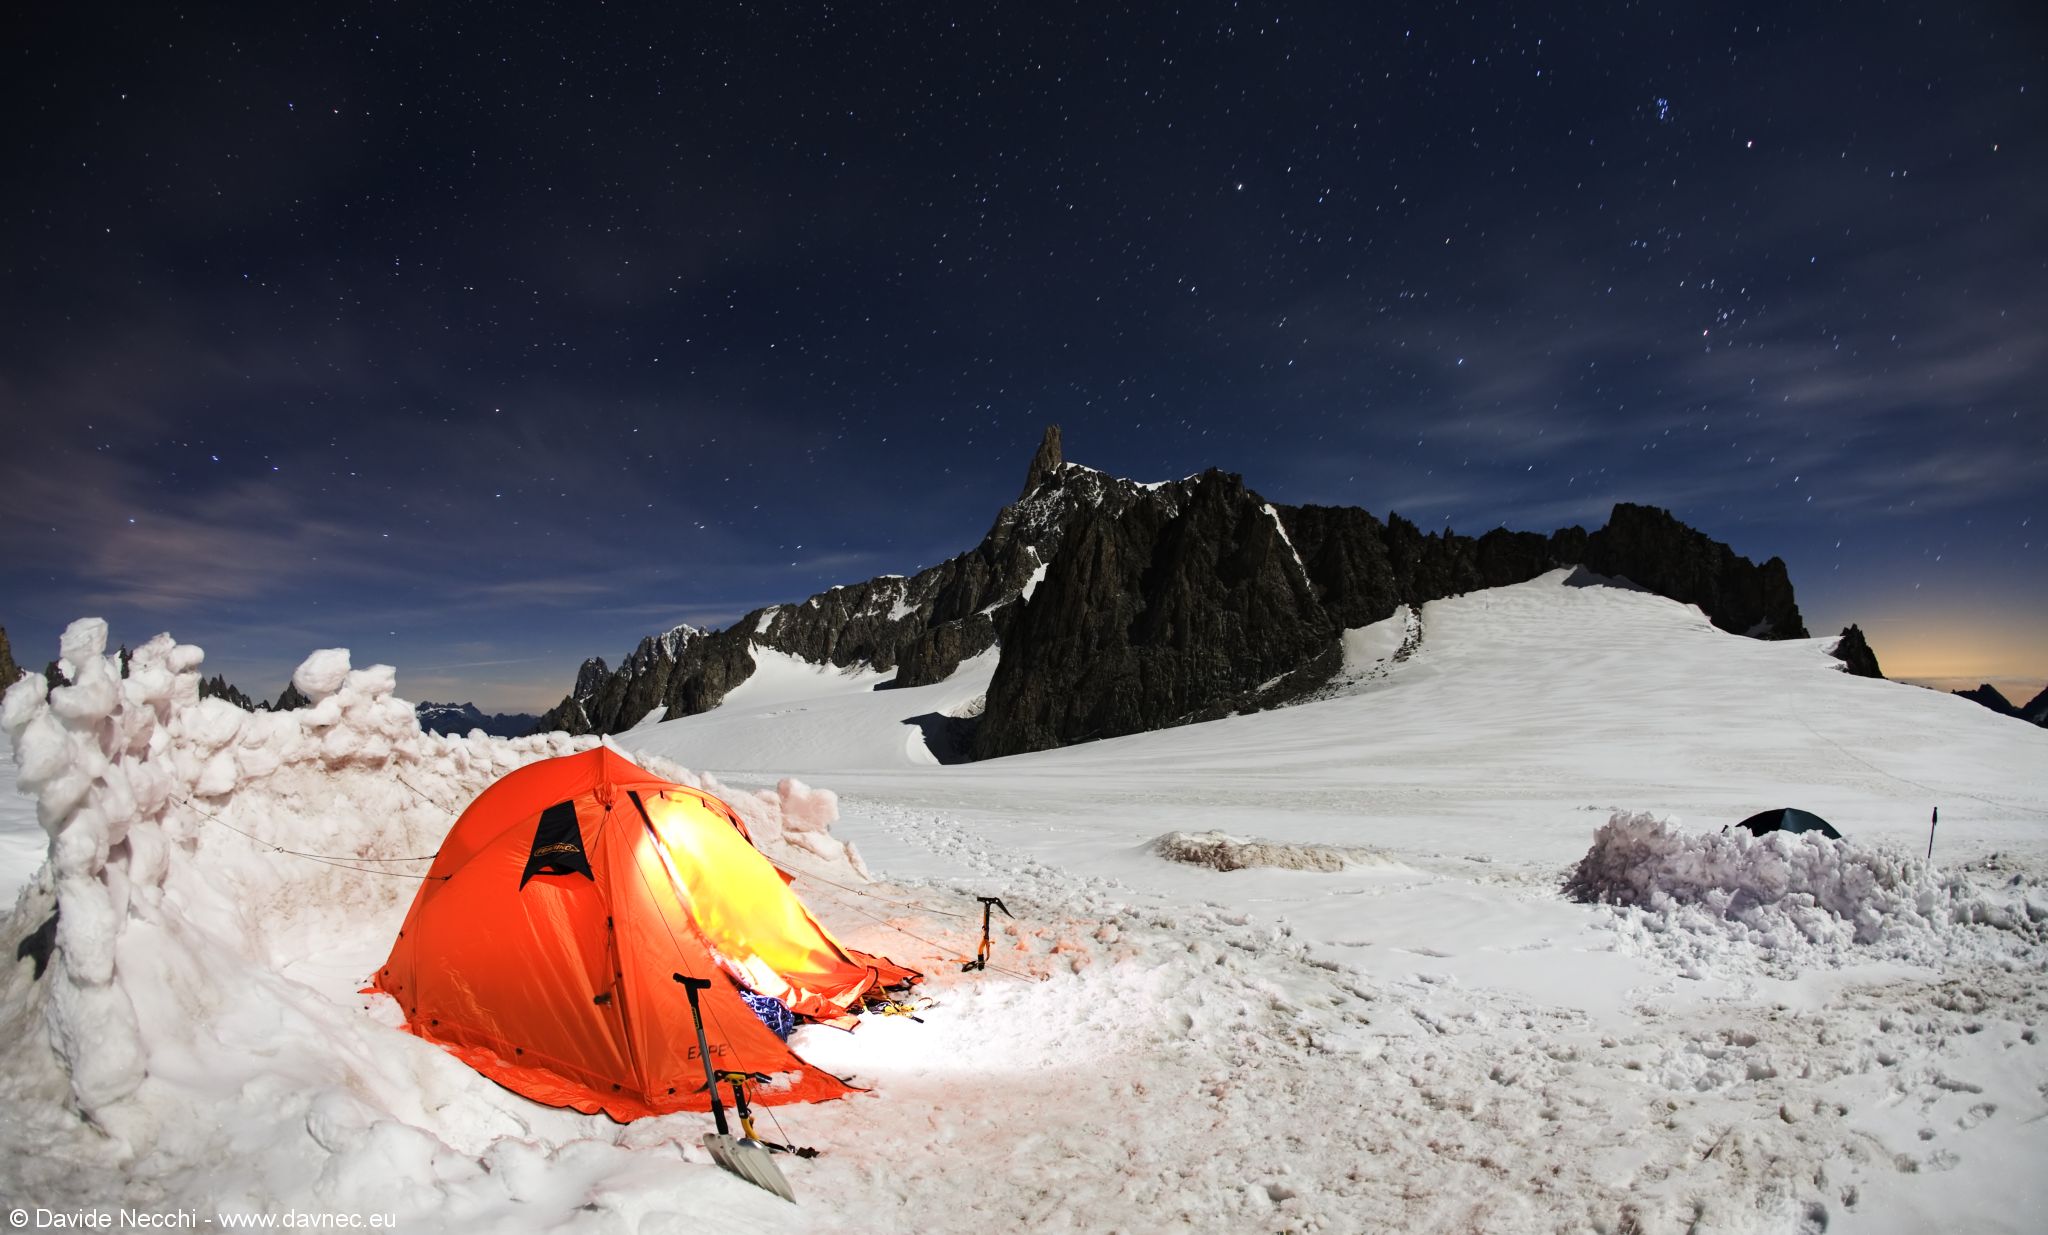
(482, 339)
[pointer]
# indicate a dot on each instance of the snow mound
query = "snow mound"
(1798, 899)
(1225, 852)
(218, 885)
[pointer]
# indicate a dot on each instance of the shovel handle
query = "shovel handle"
(690, 988)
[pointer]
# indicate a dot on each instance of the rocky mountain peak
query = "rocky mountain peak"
(656, 648)
(589, 677)
(218, 687)
(1853, 650)
(1043, 464)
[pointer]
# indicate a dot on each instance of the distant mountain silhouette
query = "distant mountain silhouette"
(456, 719)
(1989, 696)
(1121, 607)
(2034, 711)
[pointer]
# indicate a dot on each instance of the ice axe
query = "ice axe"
(980, 960)
(744, 1157)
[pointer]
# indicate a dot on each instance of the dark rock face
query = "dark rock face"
(589, 678)
(1989, 696)
(457, 719)
(1175, 610)
(2036, 709)
(933, 655)
(1855, 654)
(8, 669)
(291, 699)
(1345, 552)
(1649, 547)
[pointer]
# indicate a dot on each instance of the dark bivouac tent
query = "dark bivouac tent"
(1789, 819)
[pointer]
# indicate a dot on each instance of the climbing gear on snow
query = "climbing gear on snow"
(738, 1082)
(746, 1158)
(894, 1005)
(980, 960)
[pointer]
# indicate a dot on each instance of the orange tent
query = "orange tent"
(546, 943)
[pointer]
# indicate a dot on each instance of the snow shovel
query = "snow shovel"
(743, 1156)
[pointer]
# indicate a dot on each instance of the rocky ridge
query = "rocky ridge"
(922, 626)
(1122, 607)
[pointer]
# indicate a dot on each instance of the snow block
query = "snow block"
(322, 673)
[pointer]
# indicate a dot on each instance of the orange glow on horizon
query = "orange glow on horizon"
(1961, 651)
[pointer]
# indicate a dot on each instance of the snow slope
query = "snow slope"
(816, 717)
(1438, 1039)
(22, 841)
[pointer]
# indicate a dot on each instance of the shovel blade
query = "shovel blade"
(750, 1161)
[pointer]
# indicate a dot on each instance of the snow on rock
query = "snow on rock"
(199, 1002)
(1225, 852)
(1798, 899)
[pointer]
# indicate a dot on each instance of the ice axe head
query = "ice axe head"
(988, 903)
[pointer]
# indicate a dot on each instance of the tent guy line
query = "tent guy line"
(344, 862)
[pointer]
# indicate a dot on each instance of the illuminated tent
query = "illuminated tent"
(546, 944)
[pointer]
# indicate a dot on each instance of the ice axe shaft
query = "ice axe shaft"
(988, 903)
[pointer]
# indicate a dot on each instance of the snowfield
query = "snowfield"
(1538, 990)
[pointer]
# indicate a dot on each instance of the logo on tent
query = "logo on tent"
(557, 845)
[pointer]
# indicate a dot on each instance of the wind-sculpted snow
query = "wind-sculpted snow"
(195, 1004)
(1225, 852)
(1795, 900)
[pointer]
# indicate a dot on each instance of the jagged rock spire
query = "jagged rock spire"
(1853, 650)
(1044, 463)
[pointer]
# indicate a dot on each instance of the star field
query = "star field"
(481, 339)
